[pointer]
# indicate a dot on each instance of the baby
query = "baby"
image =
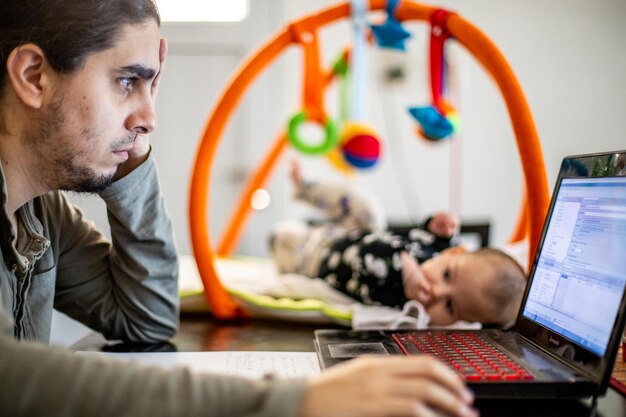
(377, 267)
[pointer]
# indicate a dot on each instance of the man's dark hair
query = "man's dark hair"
(67, 30)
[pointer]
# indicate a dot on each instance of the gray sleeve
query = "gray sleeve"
(39, 380)
(127, 288)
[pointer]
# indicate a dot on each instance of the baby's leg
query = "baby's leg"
(363, 212)
(287, 244)
(343, 205)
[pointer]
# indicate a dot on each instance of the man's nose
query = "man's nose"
(143, 118)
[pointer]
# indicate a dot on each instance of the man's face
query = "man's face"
(88, 126)
(458, 283)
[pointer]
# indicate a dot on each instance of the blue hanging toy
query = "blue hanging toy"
(391, 34)
(439, 120)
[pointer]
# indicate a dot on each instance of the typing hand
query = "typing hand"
(387, 386)
(416, 286)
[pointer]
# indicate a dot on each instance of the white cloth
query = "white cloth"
(412, 316)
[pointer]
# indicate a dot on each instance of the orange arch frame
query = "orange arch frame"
(536, 194)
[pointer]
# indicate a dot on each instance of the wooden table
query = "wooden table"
(202, 333)
(619, 370)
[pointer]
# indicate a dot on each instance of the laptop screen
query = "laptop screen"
(579, 278)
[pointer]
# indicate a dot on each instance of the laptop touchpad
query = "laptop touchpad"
(351, 350)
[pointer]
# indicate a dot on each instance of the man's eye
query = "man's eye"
(127, 83)
(449, 306)
(446, 275)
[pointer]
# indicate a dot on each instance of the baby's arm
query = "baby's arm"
(444, 225)
(416, 286)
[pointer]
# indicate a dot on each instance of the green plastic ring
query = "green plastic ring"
(330, 141)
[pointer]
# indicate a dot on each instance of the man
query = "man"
(78, 82)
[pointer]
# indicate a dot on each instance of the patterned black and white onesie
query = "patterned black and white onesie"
(349, 251)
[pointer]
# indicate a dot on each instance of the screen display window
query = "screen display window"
(580, 275)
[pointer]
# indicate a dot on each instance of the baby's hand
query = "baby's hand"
(416, 286)
(444, 225)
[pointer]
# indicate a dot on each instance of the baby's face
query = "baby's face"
(457, 288)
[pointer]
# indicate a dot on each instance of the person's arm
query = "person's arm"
(416, 286)
(439, 232)
(443, 225)
(41, 380)
(126, 289)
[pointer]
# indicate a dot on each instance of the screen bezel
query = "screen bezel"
(608, 164)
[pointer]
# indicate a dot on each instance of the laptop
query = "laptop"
(571, 318)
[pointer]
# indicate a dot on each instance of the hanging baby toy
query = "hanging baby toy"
(391, 34)
(312, 103)
(358, 145)
(340, 70)
(439, 120)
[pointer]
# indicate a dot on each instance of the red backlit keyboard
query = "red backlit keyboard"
(474, 358)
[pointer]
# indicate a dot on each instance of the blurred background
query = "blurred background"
(569, 56)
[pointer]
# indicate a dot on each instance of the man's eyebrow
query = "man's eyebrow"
(140, 71)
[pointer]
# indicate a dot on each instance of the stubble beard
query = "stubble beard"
(63, 169)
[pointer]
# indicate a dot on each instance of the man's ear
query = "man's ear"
(26, 69)
(455, 250)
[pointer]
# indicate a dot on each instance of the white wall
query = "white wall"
(569, 55)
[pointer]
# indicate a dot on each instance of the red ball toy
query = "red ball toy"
(360, 146)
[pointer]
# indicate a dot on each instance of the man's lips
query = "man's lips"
(122, 153)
